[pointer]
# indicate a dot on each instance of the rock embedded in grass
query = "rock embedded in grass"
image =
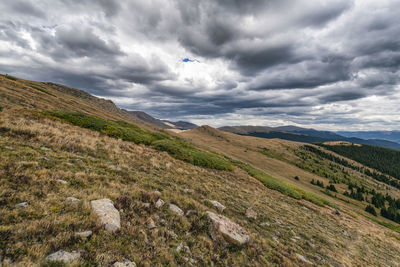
(124, 263)
(175, 209)
(159, 203)
(217, 205)
(22, 205)
(232, 233)
(61, 181)
(150, 223)
(84, 234)
(72, 199)
(108, 214)
(63, 256)
(251, 214)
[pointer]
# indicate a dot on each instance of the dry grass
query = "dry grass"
(36, 151)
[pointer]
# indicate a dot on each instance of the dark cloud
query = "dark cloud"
(329, 62)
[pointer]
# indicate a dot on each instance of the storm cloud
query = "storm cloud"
(325, 64)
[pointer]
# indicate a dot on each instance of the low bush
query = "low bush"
(371, 210)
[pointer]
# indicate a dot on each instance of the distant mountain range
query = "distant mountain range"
(181, 125)
(298, 134)
(393, 136)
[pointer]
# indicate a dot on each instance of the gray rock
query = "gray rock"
(22, 205)
(61, 181)
(188, 191)
(172, 234)
(303, 259)
(191, 212)
(265, 224)
(114, 168)
(183, 248)
(230, 231)
(84, 234)
(64, 256)
(146, 205)
(217, 205)
(124, 263)
(150, 223)
(72, 199)
(108, 214)
(251, 214)
(159, 203)
(175, 209)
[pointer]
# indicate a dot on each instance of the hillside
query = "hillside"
(60, 152)
(298, 134)
(180, 125)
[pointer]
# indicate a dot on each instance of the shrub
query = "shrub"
(331, 187)
(41, 89)
(371, 210)
(297, 178)
(10, 77)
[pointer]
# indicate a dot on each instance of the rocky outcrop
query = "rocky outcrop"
(231, 232)
(64, 256)
(108, 214)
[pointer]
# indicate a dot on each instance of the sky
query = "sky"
(326, 64)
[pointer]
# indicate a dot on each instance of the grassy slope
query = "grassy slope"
(36, 151)
(278, 158)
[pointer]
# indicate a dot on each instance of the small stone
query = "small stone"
(336, 212)
(175, 209)
(344, 232)
(84, 234)
(303, 259)
(251, 214)
(44, 159)
(188, 191)
(45, 148)
(146, 205)
(217, 205)
(265, 224)
(183, 248)
(114, 168)
(191, 212)
(163, 222)
(275, 239)
(159, 203)
(61, 181)
(230, 231)
(64, 256)
(22, 205)
(72, 199)
(150, 223)
(172, 234)
(124, 263)
(108, 214)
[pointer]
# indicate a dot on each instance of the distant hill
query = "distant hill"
(181, 125)
(393, 136)
(298, 134)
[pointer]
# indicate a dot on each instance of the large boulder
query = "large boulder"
(232, 233)
(63, 256)
(108, 214)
